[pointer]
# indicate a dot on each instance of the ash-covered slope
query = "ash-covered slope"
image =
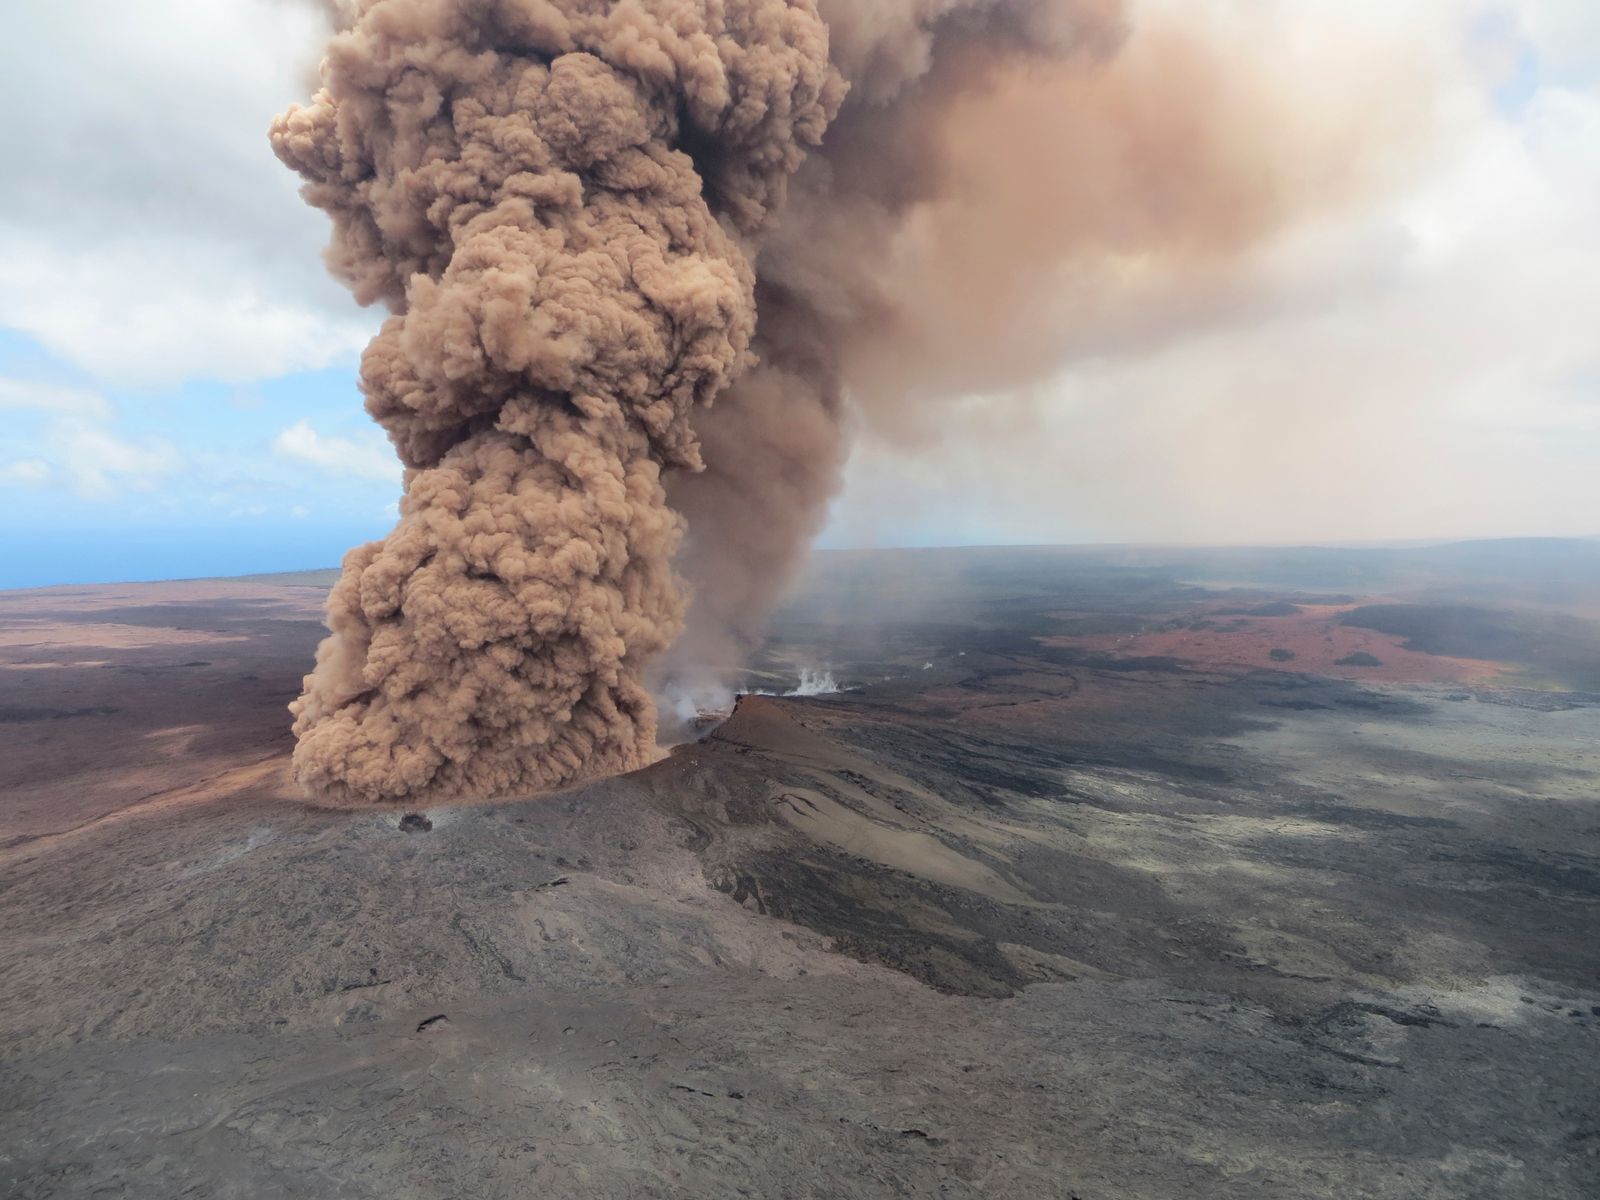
(1028, 922)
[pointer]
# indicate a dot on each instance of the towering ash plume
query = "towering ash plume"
(556, 200)
(576, 209)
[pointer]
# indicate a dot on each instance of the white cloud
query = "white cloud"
(99, 463)
(1565, 33)
(80, 449)
(147, 233)
(163, 309)
(368, 458)
(25, 472)
(47, 398)
(299, 512)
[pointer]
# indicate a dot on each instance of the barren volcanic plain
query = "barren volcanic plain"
(1111, 874)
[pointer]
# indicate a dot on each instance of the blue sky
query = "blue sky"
(177, 373)
(198, 478)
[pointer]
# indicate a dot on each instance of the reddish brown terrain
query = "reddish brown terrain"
(131, 697)
(1216, 636)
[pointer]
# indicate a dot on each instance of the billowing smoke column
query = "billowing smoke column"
(556, 200)
(577, 209)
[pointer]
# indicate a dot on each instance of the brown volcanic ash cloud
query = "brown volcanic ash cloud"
(1007, 184)
(575, 209)
(555, 200)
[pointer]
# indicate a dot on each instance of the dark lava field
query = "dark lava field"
(1084, 874)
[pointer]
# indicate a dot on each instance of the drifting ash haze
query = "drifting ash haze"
(652, 262)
